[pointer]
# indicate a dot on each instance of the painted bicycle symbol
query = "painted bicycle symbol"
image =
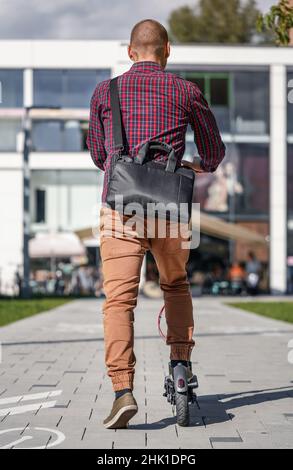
(11, 439)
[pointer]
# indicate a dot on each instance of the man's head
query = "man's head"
(149, 41)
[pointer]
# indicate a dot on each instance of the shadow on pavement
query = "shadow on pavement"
(212, 409)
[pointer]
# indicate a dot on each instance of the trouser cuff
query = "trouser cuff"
(180, 352)
(121, 381)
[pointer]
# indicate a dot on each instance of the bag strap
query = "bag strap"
(116, 115)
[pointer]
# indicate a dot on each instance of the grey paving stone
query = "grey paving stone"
(245, 399)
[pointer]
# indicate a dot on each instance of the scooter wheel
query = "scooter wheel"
(182, 408)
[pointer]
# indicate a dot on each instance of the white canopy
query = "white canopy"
(56, 245)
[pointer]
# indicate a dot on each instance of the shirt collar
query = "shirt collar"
(146, 66)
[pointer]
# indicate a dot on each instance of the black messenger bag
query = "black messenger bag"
(143, 181)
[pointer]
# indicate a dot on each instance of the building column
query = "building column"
(278, 180)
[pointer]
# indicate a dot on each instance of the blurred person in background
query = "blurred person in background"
(237, 276)
(253, 272)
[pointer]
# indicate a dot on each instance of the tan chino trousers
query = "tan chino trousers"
(122, 252)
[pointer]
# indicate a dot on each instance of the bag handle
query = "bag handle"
(157, 145)
(116, 115)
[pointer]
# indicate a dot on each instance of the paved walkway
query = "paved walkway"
(54, 391)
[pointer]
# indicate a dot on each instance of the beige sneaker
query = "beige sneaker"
(123, 409)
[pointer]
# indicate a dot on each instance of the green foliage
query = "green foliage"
(216, 21)
(279, 21)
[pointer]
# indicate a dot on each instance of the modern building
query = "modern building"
(250, 90)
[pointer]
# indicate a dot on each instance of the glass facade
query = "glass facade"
(66, 88)
(11, 83)
(239, 189)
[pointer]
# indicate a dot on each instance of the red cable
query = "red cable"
(159, 323)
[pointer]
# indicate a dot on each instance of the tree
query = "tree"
(215, 21)
(279, 21)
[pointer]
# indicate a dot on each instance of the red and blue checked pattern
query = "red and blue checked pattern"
(155, 105)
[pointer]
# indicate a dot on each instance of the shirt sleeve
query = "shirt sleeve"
(96, 136)
(207, 137)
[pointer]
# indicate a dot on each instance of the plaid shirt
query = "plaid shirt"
(155, 105)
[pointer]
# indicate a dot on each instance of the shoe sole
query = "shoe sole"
(121, 419)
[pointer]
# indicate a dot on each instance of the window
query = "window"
(215, 86)
(66, 88)
(254, 176)
(79, 87)
(9, 128)
(59, 136)
(219, 94)
(251, 97)
(200, 82)
(47, 87)
(72, 136)
(40, 205)
(64, 199)
(46, 136)
(11, 88)
(219, 98)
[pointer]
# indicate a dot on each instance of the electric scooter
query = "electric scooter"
(179, 385)
(179, 388)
